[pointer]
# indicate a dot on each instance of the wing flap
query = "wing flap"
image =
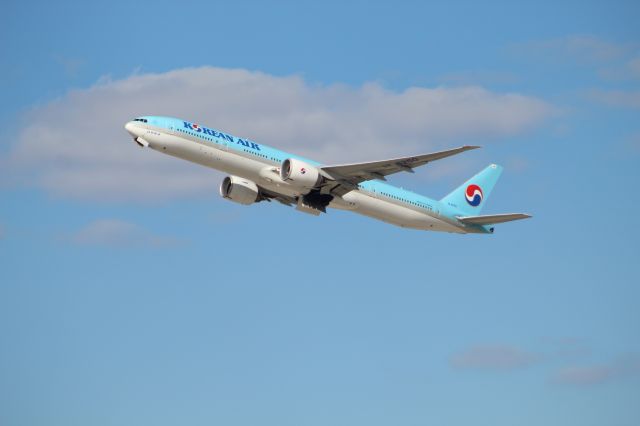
(492, 219)
(281, 198)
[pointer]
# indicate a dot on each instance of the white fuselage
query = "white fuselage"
(264, 171)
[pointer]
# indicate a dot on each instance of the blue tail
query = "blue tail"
(470, 197)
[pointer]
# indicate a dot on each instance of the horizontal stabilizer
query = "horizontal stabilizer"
(492, 219)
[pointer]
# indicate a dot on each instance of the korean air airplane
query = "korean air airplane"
(260, 173)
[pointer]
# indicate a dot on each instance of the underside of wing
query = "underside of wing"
(346, 177)
(281, 198)
(492, 219)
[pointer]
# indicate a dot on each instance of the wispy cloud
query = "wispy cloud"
(479, 77)
(622, 70)
(117, 233)
(609, 63)
(616, 98)
(70, 66)
(565, 348)
(76, 146)
(633, 142)
(608, 60)
(589, 375)
(580, 47)
(634, 67)
(572, 352)
(493, 357)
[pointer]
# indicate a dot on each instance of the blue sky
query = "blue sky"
(130, 293)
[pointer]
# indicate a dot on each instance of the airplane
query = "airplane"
(258, 173)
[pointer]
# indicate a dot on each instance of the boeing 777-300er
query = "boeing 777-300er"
(260, 173)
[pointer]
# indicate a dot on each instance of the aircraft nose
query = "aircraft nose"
(130, 127)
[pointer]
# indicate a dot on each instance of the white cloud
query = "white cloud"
(117, 233)
(76, 146)
(493, 357)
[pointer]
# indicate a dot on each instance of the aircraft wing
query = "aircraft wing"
(281, 198)
(347, 177)
(492, 219)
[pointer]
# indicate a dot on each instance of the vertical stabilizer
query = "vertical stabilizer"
(470, 197)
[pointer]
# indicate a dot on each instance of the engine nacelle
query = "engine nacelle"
(239, 190)
(300, 173)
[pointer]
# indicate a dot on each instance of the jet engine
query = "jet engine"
(239, 190)
(299, 173)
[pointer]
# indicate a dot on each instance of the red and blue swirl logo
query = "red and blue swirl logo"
(473, 195)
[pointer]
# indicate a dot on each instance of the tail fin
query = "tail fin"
(470, 197)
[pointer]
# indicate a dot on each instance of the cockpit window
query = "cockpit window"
(143, 120)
